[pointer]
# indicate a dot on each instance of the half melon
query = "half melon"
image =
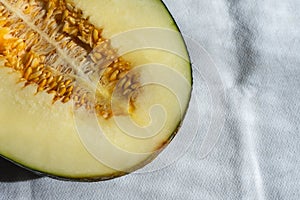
(90, 90)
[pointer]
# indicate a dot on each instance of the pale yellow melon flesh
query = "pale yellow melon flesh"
(44, 137)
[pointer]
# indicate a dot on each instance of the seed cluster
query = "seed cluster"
(53, 45)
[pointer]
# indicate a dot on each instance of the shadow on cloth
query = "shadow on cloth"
(10, 172)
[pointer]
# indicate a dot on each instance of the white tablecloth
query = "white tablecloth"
(256, 48)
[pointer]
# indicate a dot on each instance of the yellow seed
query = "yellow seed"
(35, 14)
(21, 26)
(59, 78)
(42, 58)
(127, 84)
(72, 20)
(30, 34)
(68, 82)
(52, 85)
(35, 40)
(28, 62)
(68, 93)
(59, 68)
(52, 24)
(61, 84)
(114, 75)
(50, 5)
(35, 62)
(61, 91)
(95, 35)
(82, 39)
(66, 27)
(18, 65)
(108, 70)
(3, 20)
(21, 46)
(17, 43)
(56, 98)
(43, 83)
(65, 99)
(70, 44)
(51, 91)
(73, 31)
(91, 42)
(70, 7)
(35, 80)
(41, 86)
(122, 75)
(92, 56)
(86, 31)
(27, 73)
(97, 55)
(52, 31)
(69, 70)
(43, 75)
(47, 74)
(50, 79)
(60, 37)
(70, 88)
(35, 75)
(57, 12)
(39, 68)
(64, 44)
(65, 15)
(27, 83)
(81, 26)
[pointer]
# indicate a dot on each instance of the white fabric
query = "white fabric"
(256, 48)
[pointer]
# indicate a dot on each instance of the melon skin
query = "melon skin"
(42, 137)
